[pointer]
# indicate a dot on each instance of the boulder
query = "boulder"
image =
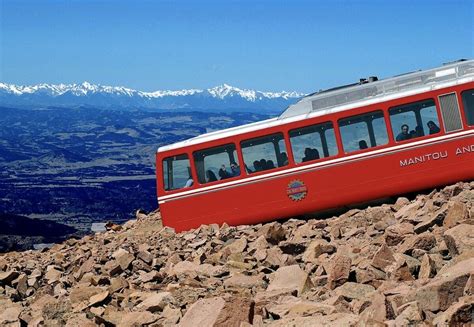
(435, 218)
(293, 306)
(8, 276)
(136, 319)
(216, 312)
(383, 257)
(239, 280)
(427, 268)
(354, 291)
(123, 258)
(446, 288)
(410, 315)
(395, 234)
(316, 248)
(98, 298)
(460, 239)
(273, 233)
(456, 213)
(155, 301)
(425, 241)
(458, 314)
(290, 278)
(340, 268)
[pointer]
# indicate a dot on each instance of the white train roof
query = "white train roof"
(351, 96)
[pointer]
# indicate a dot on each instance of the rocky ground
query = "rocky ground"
(410, 263)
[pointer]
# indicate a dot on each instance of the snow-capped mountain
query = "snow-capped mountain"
(222, 97)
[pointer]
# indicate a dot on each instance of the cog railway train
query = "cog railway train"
(334, 148)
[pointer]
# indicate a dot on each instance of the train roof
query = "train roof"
(365, 92)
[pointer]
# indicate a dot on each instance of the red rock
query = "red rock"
(458, 314)
(339, 271)
(155, 302)
(203, 313)
(136, 319)
(8, 276)
(460, 239)
(456, 212)
(446, 288)
(424, 241)
(123, 258)
(215, 312)
(435, 218)
(290, 278)
(244, 281)
(316, 248)
(427, 268)
(410, 314)
(293, 306)
(397, 233)
(145, 256)
(383, 257)
(98, 298)
(273, 232)
(236, 311)
(354, 291)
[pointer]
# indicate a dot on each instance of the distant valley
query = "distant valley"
(84, 165)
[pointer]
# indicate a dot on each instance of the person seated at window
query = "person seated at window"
(235, 170)
(403, 135)
(190, 180)
(283, 159)
(363, 145)
(256, 166)
(211, 177)
(315, 154)
(263, 164)
(419, 131)
(270, 164)
(307, 155)
(434, 129)
(223, 173)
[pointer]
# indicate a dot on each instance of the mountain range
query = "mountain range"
(222, 97)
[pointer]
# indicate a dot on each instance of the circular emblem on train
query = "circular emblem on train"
(296, 190)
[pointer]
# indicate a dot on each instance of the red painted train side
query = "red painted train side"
(344, 179)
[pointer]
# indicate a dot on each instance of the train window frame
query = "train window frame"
(403, 108)
(326, 151)
(279, 162)
(202, 179)
(166, 172)
(468, 111)
(373, 139)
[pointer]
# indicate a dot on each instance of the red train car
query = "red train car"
(348, 145)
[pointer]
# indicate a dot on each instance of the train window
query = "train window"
(177, 172)
(363, 131)
(216, 163)
(414, 120)
(468, 103)
(313, 142)
(264, 153)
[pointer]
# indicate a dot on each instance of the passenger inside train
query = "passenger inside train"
(433, 127)
(404, 134)
(363, 144)
(235, 169)
(211, 177)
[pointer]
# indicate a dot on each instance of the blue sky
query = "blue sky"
(260, 44)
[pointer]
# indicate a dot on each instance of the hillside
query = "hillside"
(21, 233)
(79, 166)
(408, 263)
